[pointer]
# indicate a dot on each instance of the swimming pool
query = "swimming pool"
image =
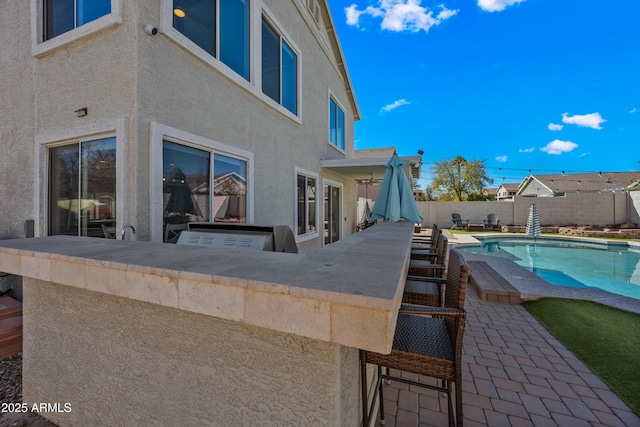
(611, 267)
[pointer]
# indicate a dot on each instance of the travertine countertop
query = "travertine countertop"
(348, 292)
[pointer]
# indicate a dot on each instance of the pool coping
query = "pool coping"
(532, 287)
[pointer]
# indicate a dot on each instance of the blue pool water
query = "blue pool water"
(613, 268)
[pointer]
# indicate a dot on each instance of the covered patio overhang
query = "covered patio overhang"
(370, 170)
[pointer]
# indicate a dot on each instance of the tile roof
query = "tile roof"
(375, 152)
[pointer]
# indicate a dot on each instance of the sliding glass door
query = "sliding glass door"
(332, 213)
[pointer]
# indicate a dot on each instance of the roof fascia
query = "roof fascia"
(337, 50)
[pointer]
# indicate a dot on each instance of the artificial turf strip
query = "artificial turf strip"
(606, 339)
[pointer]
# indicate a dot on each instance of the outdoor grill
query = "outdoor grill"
(274, 238)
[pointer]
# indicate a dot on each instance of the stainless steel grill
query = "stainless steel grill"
(274, 238)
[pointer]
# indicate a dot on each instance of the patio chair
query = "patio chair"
(436, 291)
(458, 222)
(492, 222)
(172, 232)
(109, 231)
(428, 342)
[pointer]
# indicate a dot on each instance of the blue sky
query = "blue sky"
(540, 85)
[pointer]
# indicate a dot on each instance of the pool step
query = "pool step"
(490, 285)
(10, 327)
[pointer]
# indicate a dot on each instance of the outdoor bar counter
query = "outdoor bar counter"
(140, 333)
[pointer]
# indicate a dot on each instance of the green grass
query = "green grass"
(606, 339)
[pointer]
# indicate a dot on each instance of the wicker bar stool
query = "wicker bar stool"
(426, 250)
(420, 265)
(427, 239)
(437, 291)
(428, 341)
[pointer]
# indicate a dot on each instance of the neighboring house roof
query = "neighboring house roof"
(340, 62)
(509, 187)
(493, 191)
(587, 182)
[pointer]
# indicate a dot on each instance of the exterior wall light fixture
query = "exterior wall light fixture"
(81, 112)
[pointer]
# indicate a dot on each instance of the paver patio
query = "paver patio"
(514, 374)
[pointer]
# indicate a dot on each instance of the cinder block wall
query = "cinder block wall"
(634, 207)
(581, 209)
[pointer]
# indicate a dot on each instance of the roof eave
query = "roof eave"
(342, 65)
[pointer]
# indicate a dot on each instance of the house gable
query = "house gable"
(532, 186)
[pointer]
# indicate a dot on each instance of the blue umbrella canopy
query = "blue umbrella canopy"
(395, 198)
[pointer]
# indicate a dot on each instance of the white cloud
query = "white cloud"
(526, 150)
(400, 15)
(353, 14)
(393, 106)
(501, 159)
(593, 120)
(554, 127)
(496, 5)
(633, 110)
(558, 147)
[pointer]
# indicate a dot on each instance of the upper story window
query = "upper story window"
(65, 15)
(279, 69)
(219, 27)
(336, 124)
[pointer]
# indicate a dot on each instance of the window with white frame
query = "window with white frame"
(336, 124)
(82, 188)
(199, 184)
(219, 27)
(279, 68)
(306, 205)
(61, 16)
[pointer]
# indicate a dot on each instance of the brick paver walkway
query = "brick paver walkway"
(515, 374)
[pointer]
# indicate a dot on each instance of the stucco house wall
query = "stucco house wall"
(17, 124)
(277, 378)
(136, 86)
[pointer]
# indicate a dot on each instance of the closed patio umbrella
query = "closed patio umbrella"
(533, 222)
(395, 198)
(181, 200)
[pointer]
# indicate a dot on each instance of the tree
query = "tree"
(458, 178)
(429, 194)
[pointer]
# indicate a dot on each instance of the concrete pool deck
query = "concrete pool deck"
(532, 287)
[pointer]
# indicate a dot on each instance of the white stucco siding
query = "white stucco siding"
(122, 73)
(180, 89)
(16, 120)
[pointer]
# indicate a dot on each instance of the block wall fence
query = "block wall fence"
(572, 209)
